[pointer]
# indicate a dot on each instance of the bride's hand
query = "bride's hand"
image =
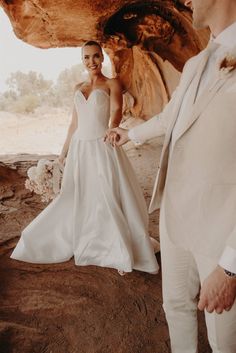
(112, 137)
(122, 134)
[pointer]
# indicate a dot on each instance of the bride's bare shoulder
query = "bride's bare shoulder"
(79, 86)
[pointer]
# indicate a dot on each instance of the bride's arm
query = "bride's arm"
(72, 127)
(116, 101)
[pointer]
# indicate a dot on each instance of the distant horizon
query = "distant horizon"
(48, 62)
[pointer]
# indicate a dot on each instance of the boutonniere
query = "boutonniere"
(226, 65)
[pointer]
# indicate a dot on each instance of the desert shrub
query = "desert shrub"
(27, 91)
(25, 104)
(7, 99)
(32, 82)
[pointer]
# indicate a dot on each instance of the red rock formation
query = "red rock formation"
(17, 204)
(148, 41)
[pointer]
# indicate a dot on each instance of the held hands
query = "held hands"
(116, 136)
(218, 292)
(112, 137)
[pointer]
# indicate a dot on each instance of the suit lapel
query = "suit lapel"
(196, 81)
(186, 85)
(162, 170)
(201, 104)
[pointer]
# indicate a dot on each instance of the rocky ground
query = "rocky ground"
(62, 308)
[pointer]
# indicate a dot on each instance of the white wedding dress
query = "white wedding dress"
(100, 215)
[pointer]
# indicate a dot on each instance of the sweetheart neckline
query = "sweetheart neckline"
(94, 90)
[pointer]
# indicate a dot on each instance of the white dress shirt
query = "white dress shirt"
(225, 41)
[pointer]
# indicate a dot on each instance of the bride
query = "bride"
(100, 215)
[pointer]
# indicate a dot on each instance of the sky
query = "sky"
(17, 55)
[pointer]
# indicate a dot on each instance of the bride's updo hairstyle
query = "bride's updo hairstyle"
(90, 43)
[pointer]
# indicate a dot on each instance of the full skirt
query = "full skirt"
(99, 217)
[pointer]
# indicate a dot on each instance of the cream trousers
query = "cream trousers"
(182, 273)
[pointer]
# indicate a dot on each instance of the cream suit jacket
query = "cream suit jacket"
(196, 182)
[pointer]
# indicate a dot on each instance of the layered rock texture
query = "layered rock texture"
(148, 41)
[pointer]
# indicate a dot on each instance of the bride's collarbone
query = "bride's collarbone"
(86, 91)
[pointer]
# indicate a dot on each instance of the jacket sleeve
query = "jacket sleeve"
(156, 126)
(228, 259)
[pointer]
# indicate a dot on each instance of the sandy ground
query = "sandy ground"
(39, 133)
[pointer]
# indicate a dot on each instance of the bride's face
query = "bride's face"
(92, 58)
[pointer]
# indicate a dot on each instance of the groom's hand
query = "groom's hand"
(111, 136)
(218, 292)
(123, 136)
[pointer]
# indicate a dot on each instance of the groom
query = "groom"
(196, 186)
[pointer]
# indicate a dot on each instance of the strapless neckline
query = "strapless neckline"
(92, 92)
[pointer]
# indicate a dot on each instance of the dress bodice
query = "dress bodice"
(93, 114)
